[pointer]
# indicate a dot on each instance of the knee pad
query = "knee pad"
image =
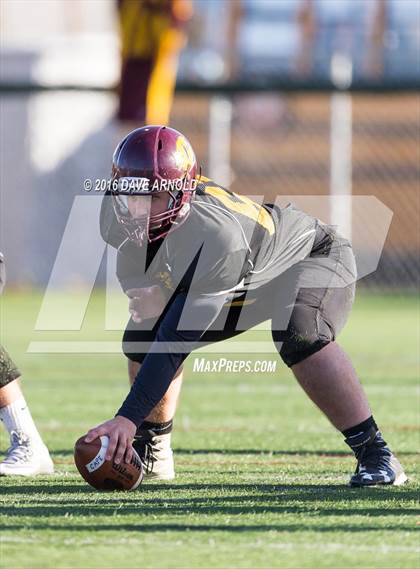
(307, 333)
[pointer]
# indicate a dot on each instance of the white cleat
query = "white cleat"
(25, 457)
(156, 455)
(400, 476)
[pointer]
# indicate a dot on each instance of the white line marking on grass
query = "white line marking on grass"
(216, 385)
(334, 547)
(330, 548)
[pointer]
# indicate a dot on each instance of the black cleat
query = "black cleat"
(376, 465)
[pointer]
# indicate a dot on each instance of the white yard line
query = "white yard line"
(330, 548)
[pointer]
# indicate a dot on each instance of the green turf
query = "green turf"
(261, 476)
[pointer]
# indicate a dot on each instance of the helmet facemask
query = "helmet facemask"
(142, 225)
(136, 227)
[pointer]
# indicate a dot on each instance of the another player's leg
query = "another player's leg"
(163, 76)
(153, 438)
(330, 380)
(27, 454)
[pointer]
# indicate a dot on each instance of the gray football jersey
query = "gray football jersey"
(227, 243)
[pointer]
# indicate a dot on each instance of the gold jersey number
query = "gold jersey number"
(240, 204)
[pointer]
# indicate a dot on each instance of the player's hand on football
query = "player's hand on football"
(120, 431)
(147, 302)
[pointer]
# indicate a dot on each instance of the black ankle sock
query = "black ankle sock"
(362, 427)
(157, 428)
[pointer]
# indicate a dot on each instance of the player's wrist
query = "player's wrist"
(130, 416)
(126, 421)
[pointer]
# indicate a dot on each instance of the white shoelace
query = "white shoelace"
(20, 449)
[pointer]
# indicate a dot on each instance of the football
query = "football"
(105, 474)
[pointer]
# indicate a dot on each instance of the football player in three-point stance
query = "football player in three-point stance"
(201, 264)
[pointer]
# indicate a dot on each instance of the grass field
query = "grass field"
(261, 476)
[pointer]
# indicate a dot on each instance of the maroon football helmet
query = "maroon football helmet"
(149, 160)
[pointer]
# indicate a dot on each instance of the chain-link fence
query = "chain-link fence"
(281, 145)
(278, 144)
